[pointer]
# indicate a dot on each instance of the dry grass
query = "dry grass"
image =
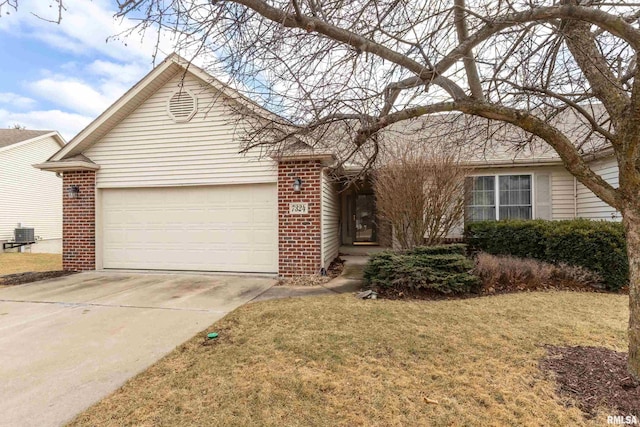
(338, 360)
(11, 263)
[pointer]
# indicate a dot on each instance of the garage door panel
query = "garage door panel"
(261, 237)
(237, 216)
(266, 216)
(221, 228)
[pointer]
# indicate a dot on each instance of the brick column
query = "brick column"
(299, 235)
(79, 222)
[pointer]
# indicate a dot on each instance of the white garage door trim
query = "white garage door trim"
(226, 228)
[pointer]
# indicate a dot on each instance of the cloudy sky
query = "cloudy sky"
(63, 76)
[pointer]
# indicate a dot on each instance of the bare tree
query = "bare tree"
(7, 6)
(344, 73)
(421, 195)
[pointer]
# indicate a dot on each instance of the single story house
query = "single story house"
(29, 198)
(157, 182)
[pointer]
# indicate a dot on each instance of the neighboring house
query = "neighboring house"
(157, 182)
(29, 197)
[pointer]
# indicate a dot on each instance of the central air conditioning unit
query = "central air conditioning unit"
(21, 237)
(24, 235)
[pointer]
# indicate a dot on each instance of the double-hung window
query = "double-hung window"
(494, 197)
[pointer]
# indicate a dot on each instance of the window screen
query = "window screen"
(515, 197)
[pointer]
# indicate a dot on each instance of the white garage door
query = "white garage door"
(221, 228)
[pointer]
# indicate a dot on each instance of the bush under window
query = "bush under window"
(596, 245)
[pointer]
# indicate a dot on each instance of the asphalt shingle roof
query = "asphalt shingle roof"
(13, 136)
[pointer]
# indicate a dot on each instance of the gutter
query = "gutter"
(575, 197)
(511, 163)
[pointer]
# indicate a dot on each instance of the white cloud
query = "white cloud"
(68, 124)
(75, 95)
(84, 29)
(16, 101)
(101, 84)
(112, 71)
(98, 74)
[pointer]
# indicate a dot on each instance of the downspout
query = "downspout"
(575, 197)
(322, 248)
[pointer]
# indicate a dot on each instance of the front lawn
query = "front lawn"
(13, 262)
(338, 360)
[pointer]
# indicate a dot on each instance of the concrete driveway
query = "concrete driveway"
(66, 343)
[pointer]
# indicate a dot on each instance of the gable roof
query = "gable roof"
(138, 94)
(442, 127)
(11, 137)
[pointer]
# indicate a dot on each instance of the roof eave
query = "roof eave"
(326, 158)
(67, 166)
(512, 163)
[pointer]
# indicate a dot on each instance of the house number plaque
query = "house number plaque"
(298, 208)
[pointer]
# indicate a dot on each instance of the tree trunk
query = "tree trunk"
(631, 221)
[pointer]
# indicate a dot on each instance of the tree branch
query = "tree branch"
(470, 66)
(603, 82)
(570, 156)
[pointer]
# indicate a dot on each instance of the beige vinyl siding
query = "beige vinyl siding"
(330, 221)
(589, 205)
(562, 194)
(28, 195)
(149, 149)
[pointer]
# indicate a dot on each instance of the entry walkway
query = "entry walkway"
(349, 281)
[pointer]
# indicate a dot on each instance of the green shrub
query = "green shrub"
(596, 245)
(454, 249)
(443, 269)
(526, 238)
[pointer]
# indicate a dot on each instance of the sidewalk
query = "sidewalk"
(349, 281)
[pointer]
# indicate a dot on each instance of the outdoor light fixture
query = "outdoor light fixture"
(73, 191)
(297, 185)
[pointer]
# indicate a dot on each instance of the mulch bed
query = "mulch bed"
(333, 271)
(421, 294)
(559, 285)
(21, 278)
(335, 268)
(425, 294)
(593, 378)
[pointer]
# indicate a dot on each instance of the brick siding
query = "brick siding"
(79, 222)
(299, 236)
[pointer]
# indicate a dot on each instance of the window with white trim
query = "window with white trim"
(481, 202)
(495, 197)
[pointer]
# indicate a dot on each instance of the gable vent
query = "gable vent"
(182, 105)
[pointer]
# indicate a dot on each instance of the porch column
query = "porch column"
(79, 221)
(299, 229)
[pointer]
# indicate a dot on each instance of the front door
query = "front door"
(364, 219)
